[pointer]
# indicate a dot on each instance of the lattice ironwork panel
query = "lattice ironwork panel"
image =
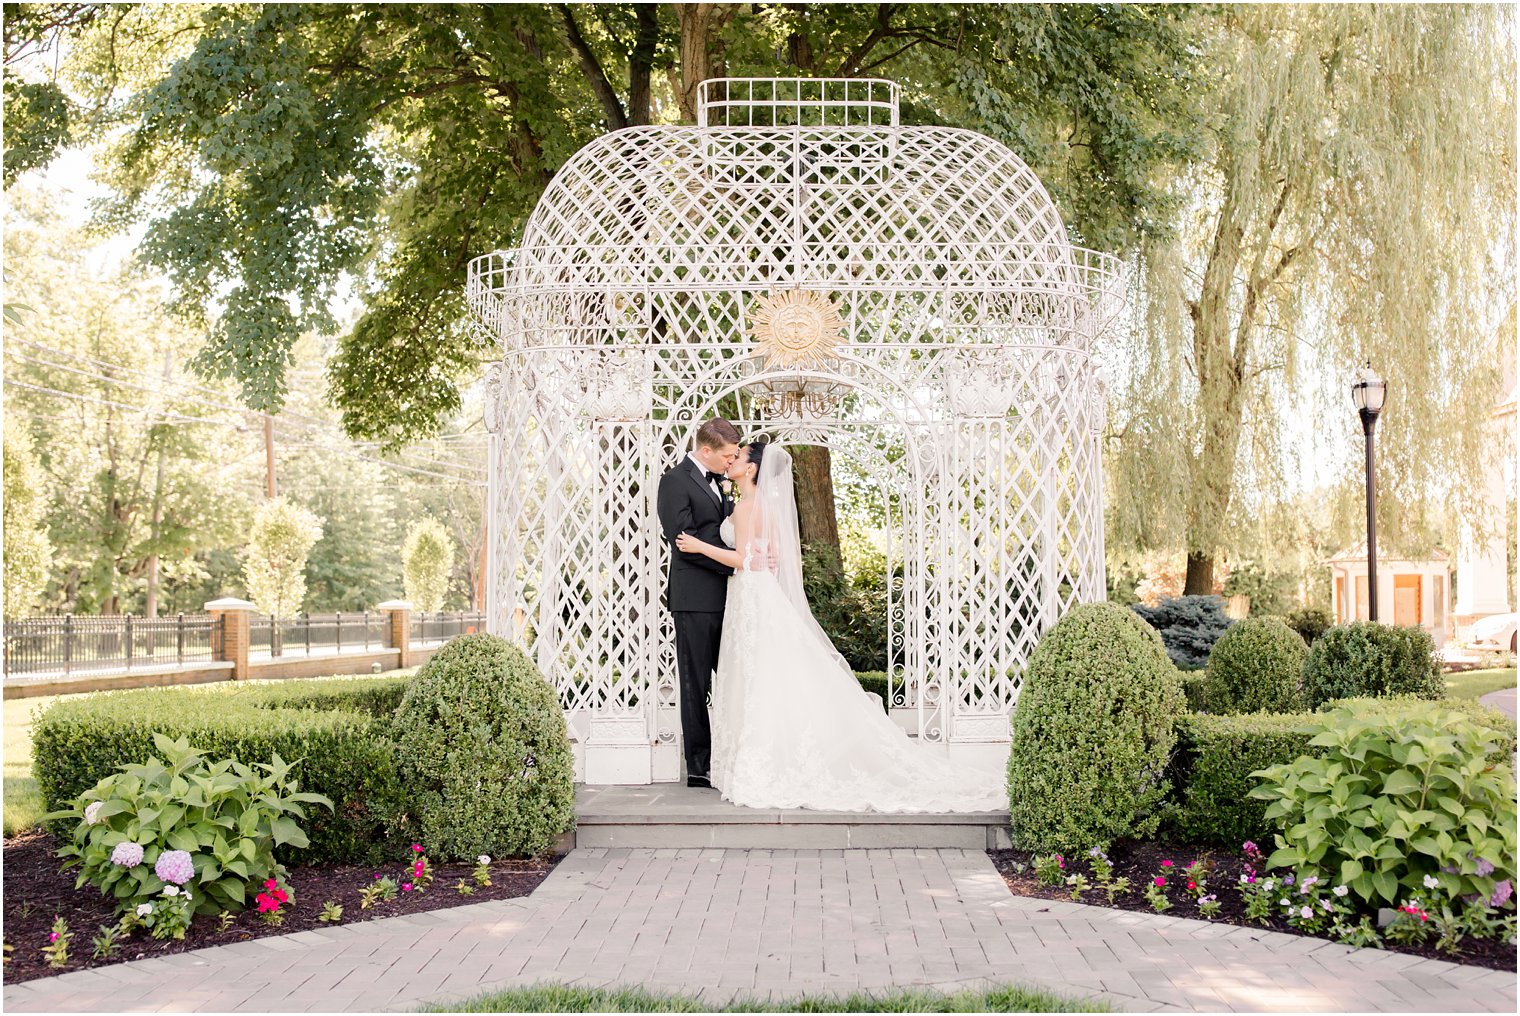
(967, 321)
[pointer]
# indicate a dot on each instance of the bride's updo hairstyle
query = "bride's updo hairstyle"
(756, 454)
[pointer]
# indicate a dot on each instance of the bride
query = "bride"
(791, 726)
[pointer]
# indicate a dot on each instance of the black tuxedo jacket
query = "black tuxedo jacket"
(686, 504)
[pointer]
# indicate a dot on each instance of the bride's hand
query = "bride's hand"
(688, 544)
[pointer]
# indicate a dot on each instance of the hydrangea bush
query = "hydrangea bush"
(184, 834)
(1404, 800)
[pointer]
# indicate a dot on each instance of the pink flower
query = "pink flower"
(281, 895)
(1166, 864)
(1248, 847)
(267, 904)
(416, 848)
(417, 868)
(377, 876)
(1305, 913)
(406, 887)
(1192, 885)
(52, 936)
(1160, 880)
(270, 884)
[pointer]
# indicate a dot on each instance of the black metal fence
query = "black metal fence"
(317, 634)
(78, 643)
(430, 628)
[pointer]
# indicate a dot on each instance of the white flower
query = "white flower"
(127, 854)
(483, 859)
(1284, 902)
(1431, 881)
(144, 909)
(1306, 913)
(171, 890)
(1340, 890)
(92, 812)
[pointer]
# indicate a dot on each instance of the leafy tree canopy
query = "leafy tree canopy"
(284, 154)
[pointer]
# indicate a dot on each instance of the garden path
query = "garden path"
(726, 923)
(1502, 700)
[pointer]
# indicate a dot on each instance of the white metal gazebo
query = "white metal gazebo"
(844, 280)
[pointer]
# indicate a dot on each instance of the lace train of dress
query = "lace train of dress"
(793, 729)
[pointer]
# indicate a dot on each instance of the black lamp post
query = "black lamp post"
(1367, 393)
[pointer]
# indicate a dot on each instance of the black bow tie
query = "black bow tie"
(717, 478)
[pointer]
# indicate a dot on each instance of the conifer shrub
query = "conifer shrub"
(1092, 733)
(1366, 659)
(484, 752)
(1257, 666)
(1189, 627)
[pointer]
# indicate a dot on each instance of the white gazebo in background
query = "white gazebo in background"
(1413, 593)
(908, 296)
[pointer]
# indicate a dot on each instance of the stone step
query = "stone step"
(670, 815)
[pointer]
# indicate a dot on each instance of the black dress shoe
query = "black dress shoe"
(699, 781)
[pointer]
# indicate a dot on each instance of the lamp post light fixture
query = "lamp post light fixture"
(1368, 392)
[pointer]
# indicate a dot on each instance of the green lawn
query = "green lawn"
(23, 804)
(563, 998)
(1475, 683)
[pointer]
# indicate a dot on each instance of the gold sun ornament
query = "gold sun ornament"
(796, 329)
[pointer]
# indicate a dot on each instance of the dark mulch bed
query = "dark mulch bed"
(1141, 862)
(36, 891)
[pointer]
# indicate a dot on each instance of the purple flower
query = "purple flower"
(1502, 892)
(1287, 880)
(127, 854)
(1305, 913)
(174, 866)
(1485, 867)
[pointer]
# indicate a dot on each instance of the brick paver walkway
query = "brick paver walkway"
(721, 923)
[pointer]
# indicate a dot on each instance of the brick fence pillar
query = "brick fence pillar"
(233, 615)
(398, 633)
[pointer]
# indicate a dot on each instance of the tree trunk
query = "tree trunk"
(640, 62)
(1200, 575)
(817, 522)
(701, 50)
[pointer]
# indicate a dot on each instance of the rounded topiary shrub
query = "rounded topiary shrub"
(1092, 732)
(1365, 659)
(1257, 665)
(484, 753)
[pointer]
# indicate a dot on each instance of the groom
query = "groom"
(692, 500)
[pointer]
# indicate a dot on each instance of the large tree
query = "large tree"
(278, 150)
(1357, 201)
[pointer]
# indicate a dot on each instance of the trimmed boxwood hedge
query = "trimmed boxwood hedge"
(875, 681)
(1366, 659)
(1211, 771)
(339, 728)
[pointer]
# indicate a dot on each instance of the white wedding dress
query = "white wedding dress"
(791, 725)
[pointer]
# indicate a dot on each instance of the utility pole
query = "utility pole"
(269, 487)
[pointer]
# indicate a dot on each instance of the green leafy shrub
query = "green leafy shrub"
(1256, 666)
(1310, 623)
(1367, 659)
(1403, 801)
(1092, 733)
(484, 752)
(853, 613)
(1189, 627)
(1268, 591)
(875, 681)
(1195, 689)
(338, 727)
(1211, 773)
(208, 828)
